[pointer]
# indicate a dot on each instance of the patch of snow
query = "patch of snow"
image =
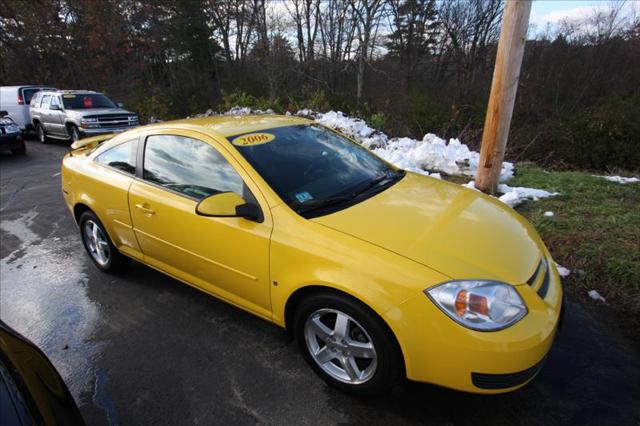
(513, 196)
(562, 271)
(549, 214)
(355, 128)
(431, 154)
(305, 112)
(471, 185)
(238, 110)
(620, 179)
(596, 296)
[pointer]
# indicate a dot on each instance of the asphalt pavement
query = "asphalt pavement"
(142, 348)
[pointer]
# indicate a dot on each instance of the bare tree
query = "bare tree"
(469, 28)
(367, 15)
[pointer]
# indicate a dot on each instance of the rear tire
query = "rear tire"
(98, 245)
(360, 358)
(42, 134)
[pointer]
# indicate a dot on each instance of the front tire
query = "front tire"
(74, 133)
(347, 344)
(98, 245)
(42, 134)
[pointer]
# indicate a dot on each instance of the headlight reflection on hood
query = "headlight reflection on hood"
(479, 305)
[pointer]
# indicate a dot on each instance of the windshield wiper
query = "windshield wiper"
(325, 202)
(378, 182)
(381, 181)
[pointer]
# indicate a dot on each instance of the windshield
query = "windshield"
(87, 101)
(314, 170)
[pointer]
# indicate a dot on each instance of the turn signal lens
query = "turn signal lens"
(461, 303)
(479, 305)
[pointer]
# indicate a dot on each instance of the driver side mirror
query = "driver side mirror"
(228, 204)
(119, 104)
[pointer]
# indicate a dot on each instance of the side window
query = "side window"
(55, 100)
(121, 157)
(35, 100)
(45, 101)
(189, 166)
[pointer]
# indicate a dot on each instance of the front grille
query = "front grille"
(541, 278)
(114, 120)
(504, 381)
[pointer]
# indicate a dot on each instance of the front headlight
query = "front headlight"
(89, 122)
(12, 128)
(479, 305)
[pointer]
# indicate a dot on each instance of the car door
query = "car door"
(226, 256)
(107, 180)
(55, 120)
(43, 111)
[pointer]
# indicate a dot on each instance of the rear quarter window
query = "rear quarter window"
(121, 157)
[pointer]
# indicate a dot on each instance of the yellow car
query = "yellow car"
(379, 274)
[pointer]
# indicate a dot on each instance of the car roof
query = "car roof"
(224, 125)
(27, 86)
(229, 125)
(72, 92)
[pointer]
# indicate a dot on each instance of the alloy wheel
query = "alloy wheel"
(96, 242)
(340, 346)
(75, 136)
(42, 137)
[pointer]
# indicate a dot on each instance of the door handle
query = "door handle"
(145, 209)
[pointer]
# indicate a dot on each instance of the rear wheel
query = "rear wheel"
(347, 344)
(42, 134)
(98, 244)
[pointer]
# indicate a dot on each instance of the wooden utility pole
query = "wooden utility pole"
(515, 21)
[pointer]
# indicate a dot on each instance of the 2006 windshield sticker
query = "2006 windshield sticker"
(253, 139)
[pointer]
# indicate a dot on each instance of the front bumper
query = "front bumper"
(95, 131)
(11, 140)
(440, 351)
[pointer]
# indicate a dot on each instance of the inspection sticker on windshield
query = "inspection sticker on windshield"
(303, 196)
(253, 139)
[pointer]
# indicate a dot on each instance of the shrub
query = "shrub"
(152, 106)
(240, 98)
(425, 114)
(605, 135)
(379, 121)
(237, 98)
(318, 102)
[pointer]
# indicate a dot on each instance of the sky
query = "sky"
(553, 11)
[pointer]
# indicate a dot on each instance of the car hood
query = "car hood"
(98, 111)
(454, 230)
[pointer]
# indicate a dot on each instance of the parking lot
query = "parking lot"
(142, 348)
